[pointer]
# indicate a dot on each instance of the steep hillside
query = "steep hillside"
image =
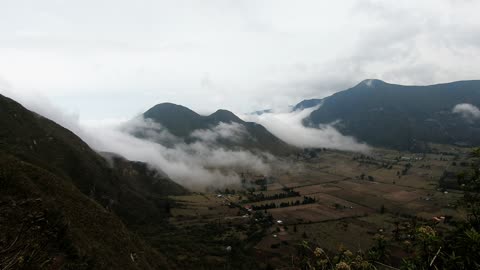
(41, 142)
(401, 117)
(46, 222)
(142, 178)
(181, 122)
(47, 170)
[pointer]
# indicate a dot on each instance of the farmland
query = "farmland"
(356, 196)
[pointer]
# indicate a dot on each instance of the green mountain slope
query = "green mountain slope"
(181, 122)
(92, 196)
(42, 142)
(401, 117)
(46, 222)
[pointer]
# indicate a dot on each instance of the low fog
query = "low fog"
(233, 132)
(201, 162)
(467, 111)
(196, 165)
(288, 127)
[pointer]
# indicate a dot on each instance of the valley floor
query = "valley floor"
(355, 198)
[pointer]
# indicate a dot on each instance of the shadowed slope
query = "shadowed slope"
(181, 122)
(402, 117)
(77, 194)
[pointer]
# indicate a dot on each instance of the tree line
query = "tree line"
(306, 200)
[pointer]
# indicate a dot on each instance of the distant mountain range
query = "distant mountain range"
(183, 122)
(261, 112)
(58, 194)
(307, 103)
(84, 209)
(400, 117)
(378, 113)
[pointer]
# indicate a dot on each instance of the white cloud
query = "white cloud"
(241, 56)
(288, 127)
(467, 111)
(108, 60)
(198, 165)
(233, 132)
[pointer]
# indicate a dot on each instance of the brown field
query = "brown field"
(403, 196)
(311, 213)
(321, 188)
(347, 208)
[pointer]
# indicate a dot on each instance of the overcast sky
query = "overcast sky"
(114, 59)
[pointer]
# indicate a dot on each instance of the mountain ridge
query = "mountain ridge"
(397, 116)
(181, 122)
(47, 170)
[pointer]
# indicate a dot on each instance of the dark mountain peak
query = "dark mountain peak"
(224, 116)
(399, 116)
(260, 112)
(371, 83)
(169, 108)
(167, 105)
(307, 103)
(181, 122)
(365, 85)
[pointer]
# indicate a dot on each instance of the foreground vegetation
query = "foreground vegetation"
(426, 247)
(64, 206)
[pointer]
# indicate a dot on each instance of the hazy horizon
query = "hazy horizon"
(111, 60)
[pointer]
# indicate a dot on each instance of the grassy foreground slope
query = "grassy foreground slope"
(39, 141)
(46, 222)
(62, 204)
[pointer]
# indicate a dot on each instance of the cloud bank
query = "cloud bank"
(239, 55)
(288, 127)
(198, 165)
(233, 132)
(467, 111)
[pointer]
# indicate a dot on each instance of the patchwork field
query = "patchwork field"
(349, 199)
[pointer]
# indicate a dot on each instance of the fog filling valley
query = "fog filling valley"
(206, 55)
(203, 162)
(195, 165)
(288, 127)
